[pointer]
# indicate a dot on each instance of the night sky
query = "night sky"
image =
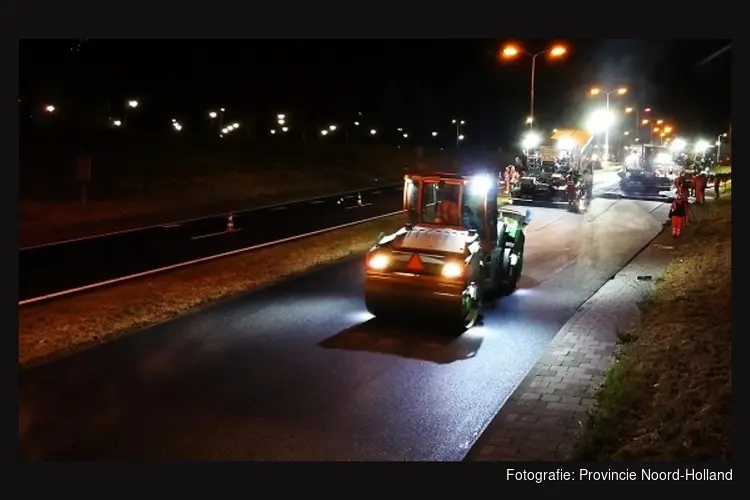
(417, 85)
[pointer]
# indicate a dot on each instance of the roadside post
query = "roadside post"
(83, 175)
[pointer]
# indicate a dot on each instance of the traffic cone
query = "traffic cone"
(230, 223)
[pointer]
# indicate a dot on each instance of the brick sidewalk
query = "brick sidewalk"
(543, 417)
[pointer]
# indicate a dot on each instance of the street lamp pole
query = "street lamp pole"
(512, 51)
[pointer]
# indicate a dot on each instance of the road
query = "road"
(301, 372)
(50, 269)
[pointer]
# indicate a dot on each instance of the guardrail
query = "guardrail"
(212, 216)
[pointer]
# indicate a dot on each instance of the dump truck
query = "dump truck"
(457, 249)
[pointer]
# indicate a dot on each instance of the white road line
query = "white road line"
(194, 219)
(277, 208)
(316, 202)
(359, 206)
(197, 261)
(169, 226)
(216, 234)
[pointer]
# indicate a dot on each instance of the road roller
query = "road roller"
(457, 249)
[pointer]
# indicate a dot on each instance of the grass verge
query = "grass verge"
(724, 169)
(668, 394)
(54, 328)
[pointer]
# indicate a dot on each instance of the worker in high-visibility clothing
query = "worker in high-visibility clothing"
(678, 212)
(699, 183)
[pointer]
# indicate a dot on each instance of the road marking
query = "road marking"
(198, 261)
(195, 219)
(171, 226)
(359, 206)
(316, 202)
(277, 208)
(215, 234)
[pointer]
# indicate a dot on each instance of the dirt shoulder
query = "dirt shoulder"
(668, 396)
(52, 329)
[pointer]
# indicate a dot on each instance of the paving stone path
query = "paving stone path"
(543, 417)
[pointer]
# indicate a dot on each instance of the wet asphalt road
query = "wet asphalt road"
(49, 269)
(300, 372)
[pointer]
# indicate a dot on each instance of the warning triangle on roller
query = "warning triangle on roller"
(415, 263)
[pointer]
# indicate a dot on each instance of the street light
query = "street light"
(659, 122)
(529, 120)
(133, 103)
(324, 132)
(285, 129)
(49, 108)
(117, 123)
(281, 116)
(356, 124)
(512, 51)
(213, 114)
(281, 121)
(406, 136)
(332, 127)
(273, 132)
(618, 91)
(458, 124)
(373, 131)
(701, 146)
(434, 134)
(461, 137)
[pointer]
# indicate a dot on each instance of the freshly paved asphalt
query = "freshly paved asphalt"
(300, 372)
(50, 269)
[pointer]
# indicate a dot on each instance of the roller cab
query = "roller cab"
(456, 250)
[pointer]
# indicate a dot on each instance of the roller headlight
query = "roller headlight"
(452, 270)
(378, 262)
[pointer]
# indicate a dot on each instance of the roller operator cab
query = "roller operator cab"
(456, 249)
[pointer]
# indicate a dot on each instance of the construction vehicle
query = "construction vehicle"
(456, 249)
(546, 182)
(648, 172)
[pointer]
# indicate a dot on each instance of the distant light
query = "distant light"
(273, 132)
(434, 134)
(224, 130)
(236, 125)
(332, 127)
(463, 122)
(285, 129)
(324, 132)
(599, 121)
(222, 110)
(453, 121)
(281, 121)
(647, 110)
(356, 124)
(174, 120)
(117, 123)
(628, 109)
(400, 129)
(406, 136)
(622, 90)
(49, 108)
(644, 122)
(133, 104)
(701, 146)
(554, 130)
(626, 133)
(230, 127)
(565, 143)
(529, 120)
(461, 137)
(373, 131)
(213, 114)
(280, 116)
(531, 140)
